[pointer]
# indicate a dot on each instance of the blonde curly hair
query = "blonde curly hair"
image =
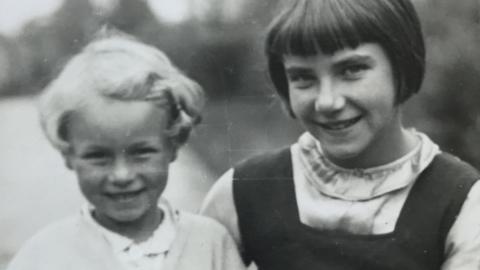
(119, 67)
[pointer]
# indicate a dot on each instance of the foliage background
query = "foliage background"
(221, 47)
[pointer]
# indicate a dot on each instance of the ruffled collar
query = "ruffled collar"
(363, 184)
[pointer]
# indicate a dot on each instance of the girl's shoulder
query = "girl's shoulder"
(200, 224)
(199, 235)
(450, 167)
(273, 164)
(203, 243)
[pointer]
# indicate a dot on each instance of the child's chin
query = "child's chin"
(127, 216)
(341, 154)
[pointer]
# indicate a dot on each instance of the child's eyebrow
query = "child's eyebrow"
(297, 70)
(141, 144)
(353, 59)
(94, 147)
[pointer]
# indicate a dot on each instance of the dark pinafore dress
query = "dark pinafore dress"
(275, 239)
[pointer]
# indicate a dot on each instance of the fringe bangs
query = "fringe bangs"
(327, 26)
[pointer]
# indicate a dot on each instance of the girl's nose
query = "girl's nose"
(121, 173)
(327, 99)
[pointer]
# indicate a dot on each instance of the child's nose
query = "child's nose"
(121, 173)
(327, 98)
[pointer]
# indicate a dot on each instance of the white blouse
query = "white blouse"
(359, 201)
(366, 201)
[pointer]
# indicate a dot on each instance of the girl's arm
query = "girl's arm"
(230, 257)
(219, 205)
(462, 246)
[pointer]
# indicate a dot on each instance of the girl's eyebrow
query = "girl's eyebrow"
(140, 144)
(353, 59)
(298, 70)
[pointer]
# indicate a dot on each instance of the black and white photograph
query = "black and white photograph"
(239, 134)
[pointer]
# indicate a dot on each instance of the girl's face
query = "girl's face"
(346, 101)
(121, 159)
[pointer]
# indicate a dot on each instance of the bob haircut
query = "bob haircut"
(308, 27)
(116, 66)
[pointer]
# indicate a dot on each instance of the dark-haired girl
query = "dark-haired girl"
(357, 190)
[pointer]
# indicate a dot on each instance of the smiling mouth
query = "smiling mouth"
(123, 196)
(339, 125)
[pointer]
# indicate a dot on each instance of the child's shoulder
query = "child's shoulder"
(60, 229)
(48, 243)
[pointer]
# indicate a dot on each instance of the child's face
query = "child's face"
(121, 158)
(346, 101)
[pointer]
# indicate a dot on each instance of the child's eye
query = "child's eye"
(301, 81)
(144, 152)
(96, 157)
(353, 71)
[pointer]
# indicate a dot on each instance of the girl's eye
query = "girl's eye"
(301, 81)
(353, 71)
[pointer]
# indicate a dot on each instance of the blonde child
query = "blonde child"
(118, 113)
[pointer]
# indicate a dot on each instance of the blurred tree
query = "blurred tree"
(6, 49)
(221, 46)
(45, 44)
(134, 17)
(453, 68)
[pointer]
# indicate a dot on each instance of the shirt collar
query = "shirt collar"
(160, 241)
(363, 184)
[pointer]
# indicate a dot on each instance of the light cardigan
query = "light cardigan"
(74, 244)
(462, 246)
(148, 254)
